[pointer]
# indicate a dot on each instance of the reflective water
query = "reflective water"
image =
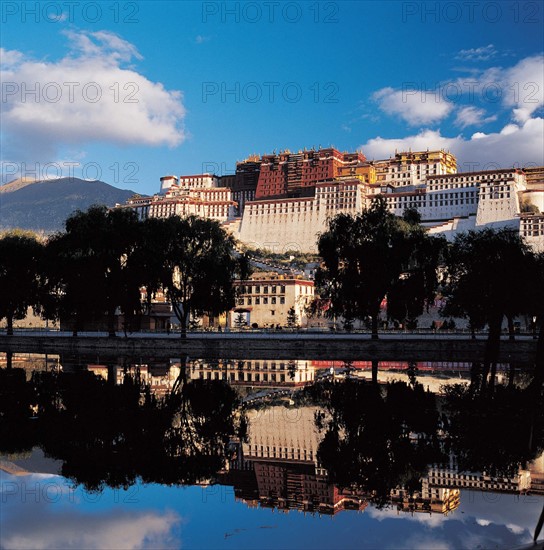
(138, 453)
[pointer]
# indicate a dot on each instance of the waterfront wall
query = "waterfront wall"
(342, 347)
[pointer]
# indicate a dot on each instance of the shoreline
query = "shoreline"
(303, 346)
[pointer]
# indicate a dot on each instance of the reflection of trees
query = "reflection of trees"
(494, 433)
(377, 439)
(17, 432)
(108, 434)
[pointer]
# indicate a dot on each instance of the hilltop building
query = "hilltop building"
(293, 174)
(198, 195)
(282, 201)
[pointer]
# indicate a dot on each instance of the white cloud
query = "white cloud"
(513, 146)
(519, 88)
(61, 518)
(114, 529)
(525, 86)
(200, 39)
(416, 107)
(9, 58)
(431, 521)
(472, 116)
(516, 529)
(483, 53)
(88, 96)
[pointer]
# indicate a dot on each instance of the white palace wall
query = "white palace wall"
(294, 224)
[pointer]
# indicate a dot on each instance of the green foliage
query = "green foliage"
(290, 258)
(20, 255)
(375, 255)
(484, 276)
(88, 271)
(199, 265)
(240, 320)
(292, 318)
(104, 258)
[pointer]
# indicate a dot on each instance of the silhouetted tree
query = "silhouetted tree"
(149, 256)
(483, 275)
(89, 269)
(200, 266)
(372, 254)
(20, 253)
(416, 287)
(535, 308)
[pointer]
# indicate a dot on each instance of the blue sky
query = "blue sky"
(187, 87)
(153, 516)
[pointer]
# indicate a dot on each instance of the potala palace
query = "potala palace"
(282, 201)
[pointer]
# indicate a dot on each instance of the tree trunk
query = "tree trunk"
(375, 372)
(183, 320)
(492, 348)
(112, 374)
(10, 325)
(374, 327)
(538, 380)
(491, 386)
(511, 374)
(511, 331)
(111, 324)
(9, 360)
(475, 376)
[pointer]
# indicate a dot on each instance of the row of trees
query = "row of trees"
(99, 264)
(376, 258)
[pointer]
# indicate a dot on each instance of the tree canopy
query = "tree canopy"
(199, 265)
(373, 255)
(20, 254)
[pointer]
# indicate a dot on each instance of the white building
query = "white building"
(266, 298)
(449, 203)
(197, 195)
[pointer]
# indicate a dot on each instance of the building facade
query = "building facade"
(265, 299)
(282, 202)
(198, 195)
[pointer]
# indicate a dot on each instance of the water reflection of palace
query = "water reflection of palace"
(255, 373)
(448, 475)
(278, 468)
(162, 375)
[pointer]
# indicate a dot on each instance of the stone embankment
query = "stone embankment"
(343, 347)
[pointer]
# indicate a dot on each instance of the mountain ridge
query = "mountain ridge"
(44, 205)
